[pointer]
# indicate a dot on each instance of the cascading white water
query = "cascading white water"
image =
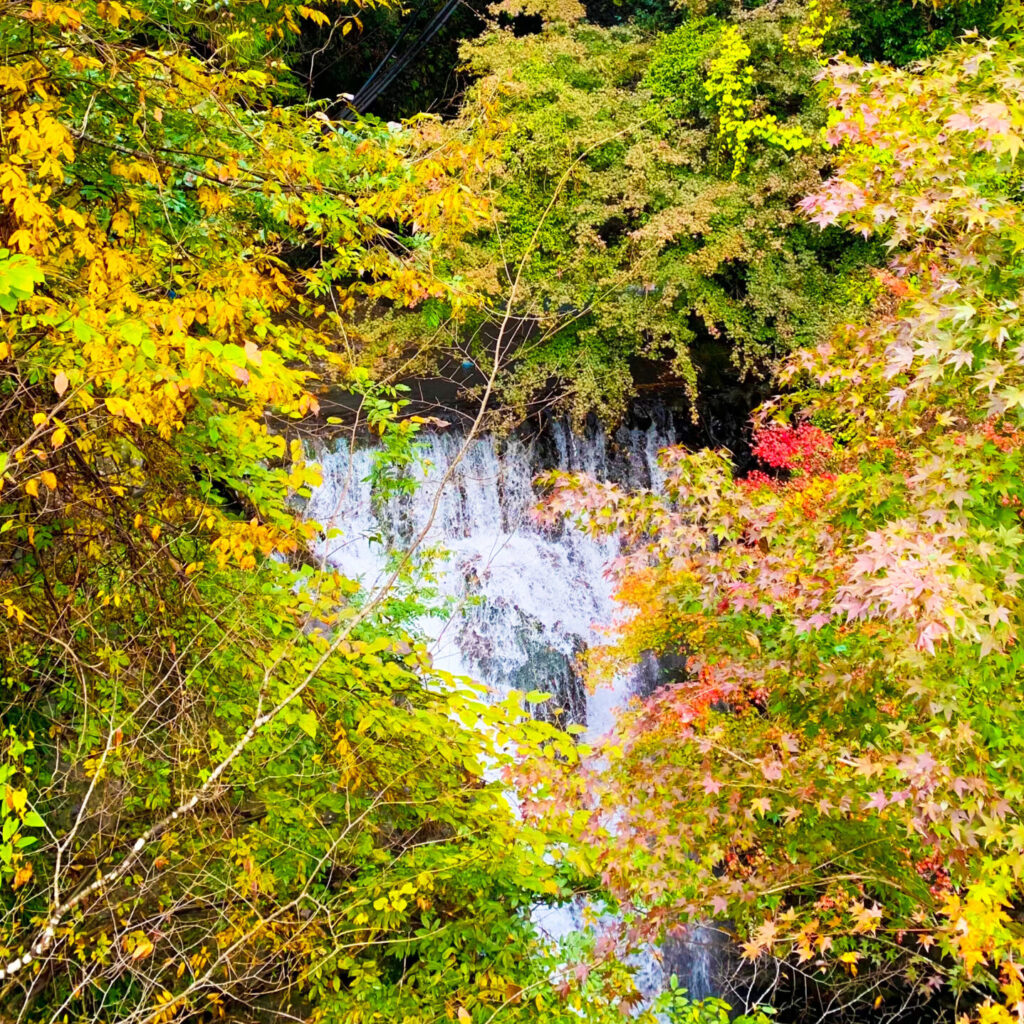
(525, 601)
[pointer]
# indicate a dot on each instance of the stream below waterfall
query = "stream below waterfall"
(525, 601)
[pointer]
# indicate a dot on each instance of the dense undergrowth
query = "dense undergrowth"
(234, 784)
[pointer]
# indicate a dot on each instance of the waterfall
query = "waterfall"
(524, 601)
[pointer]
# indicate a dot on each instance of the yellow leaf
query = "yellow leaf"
(20, 240)
(32, 487)
(21, 876)
(39, 419)
(48, 478)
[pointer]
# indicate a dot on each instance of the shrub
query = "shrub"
(678, 67)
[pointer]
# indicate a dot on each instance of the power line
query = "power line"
(372, 88)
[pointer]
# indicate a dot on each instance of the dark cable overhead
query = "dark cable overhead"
(383, 75)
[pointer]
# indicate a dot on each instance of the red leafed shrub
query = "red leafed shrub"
(755, 478)
(805, 448)
(1003, 435)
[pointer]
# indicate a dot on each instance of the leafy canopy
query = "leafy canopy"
(837, 769)
(232, 779)
(643, 213)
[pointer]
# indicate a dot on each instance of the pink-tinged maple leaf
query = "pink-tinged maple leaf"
(879, 801)
(817, 621)
(866, 919)
(998, 614)
(928, 634)
(919, 764)
(993, 117)
(960, 123)
(711, 785)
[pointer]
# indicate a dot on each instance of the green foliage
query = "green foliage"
(676, 1006)
(903, 31)
(234, 781)
(19, 276)
(18, 820)
(729, 86)
(650, 222)
(678, 68)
